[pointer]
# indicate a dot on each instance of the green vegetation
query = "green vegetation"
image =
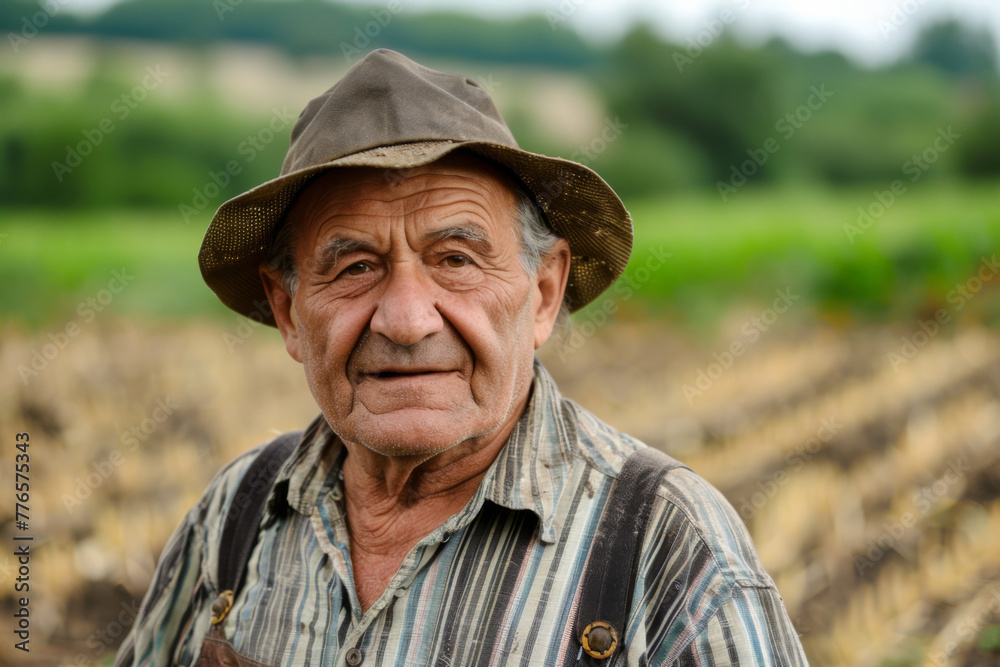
(989, 639)
(316, 27)
(747, 163)
(94, 150)
(904, 266)
(53, 262)
(692, 117)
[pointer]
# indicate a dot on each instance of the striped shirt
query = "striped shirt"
(494, 585)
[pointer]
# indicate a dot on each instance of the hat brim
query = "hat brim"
(577, 203)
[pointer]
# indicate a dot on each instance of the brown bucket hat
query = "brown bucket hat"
(393, 113)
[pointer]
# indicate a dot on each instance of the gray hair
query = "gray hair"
(537, 241)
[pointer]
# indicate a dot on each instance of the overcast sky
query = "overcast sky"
(871, 31)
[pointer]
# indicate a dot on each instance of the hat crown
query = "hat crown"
(389, 112)
(387, 99)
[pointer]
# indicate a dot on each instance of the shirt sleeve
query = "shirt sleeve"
(752, 629)
(165, 609)
(176, 609)
(703, 597)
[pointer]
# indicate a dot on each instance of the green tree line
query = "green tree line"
(711, 113)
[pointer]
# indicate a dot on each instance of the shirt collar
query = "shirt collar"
(529, 473)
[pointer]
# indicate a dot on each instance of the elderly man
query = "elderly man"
(448, 507)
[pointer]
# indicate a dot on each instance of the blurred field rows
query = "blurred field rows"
(871, 488)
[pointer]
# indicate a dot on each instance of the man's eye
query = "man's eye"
(456, 261)
(357, 269)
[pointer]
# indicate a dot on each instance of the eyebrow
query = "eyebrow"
(332, 252)
(474, 234)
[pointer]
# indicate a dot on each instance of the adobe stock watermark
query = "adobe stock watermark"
(563, 12)
(919, 339)
(623, 289)
(87, 311)
(106, 638)
(488, 83)
(585, 154)
(363, 35)
(923, 502)
(967, 629)
(247, 325)
(915, 168)
(958, 297)
(786, 126)
(609, 134)
(121, 108)
(31, 25)
(900, 14)
(795, 461)
(711, 30)
(223, 7)
(85, 485)
(248, 149)
(750, 332)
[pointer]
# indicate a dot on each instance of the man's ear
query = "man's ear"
(550, 286)
(284, 311)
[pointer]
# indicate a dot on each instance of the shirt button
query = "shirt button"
(354, 657)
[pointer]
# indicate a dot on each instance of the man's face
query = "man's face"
(414, 317)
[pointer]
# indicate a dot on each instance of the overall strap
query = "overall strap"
(613, 562)
(242, 521)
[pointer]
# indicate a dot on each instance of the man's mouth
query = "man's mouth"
(396, 374)
(389, 374)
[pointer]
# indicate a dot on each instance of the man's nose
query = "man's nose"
(406, 313)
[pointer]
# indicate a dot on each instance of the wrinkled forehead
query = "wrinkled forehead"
(455, 178)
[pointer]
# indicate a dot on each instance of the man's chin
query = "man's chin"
(382, 396)
(410, 433)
